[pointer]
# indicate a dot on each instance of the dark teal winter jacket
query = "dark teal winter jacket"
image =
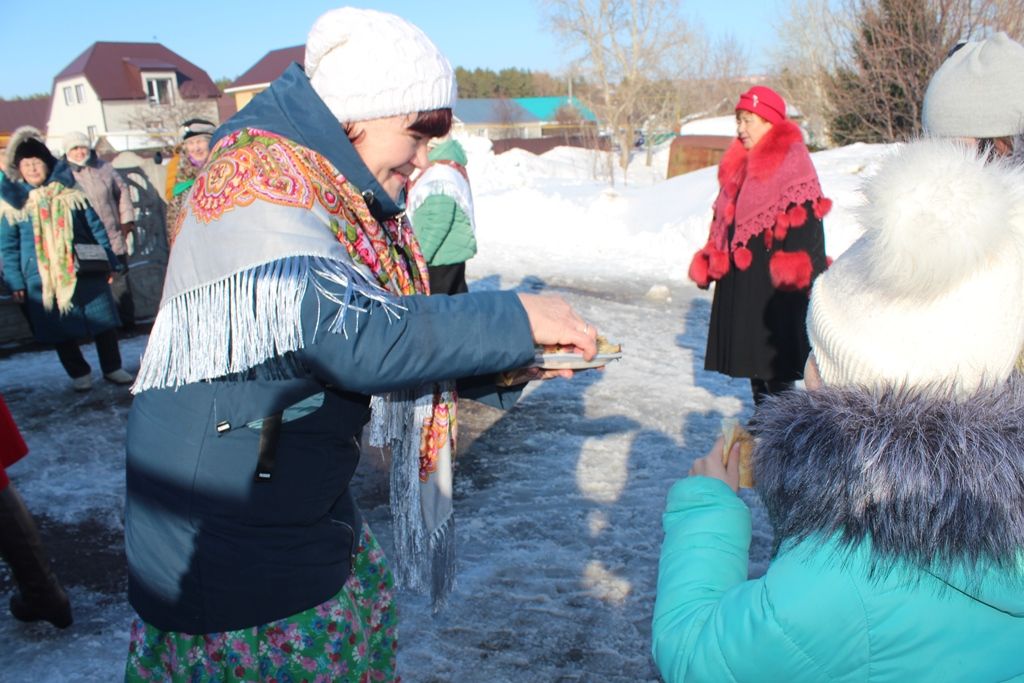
(93, 308)
(211, 546)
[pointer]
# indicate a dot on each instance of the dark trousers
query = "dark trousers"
(448, 279)
(122, 291)
(106, 348)
(763, 388)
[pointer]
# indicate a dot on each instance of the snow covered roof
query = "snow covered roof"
(724, 126)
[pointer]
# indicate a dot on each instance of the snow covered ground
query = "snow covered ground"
(558, 501)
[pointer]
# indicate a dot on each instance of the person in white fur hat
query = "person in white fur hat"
(295, 293)
(895, 483)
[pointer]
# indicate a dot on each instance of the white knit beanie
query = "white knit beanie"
(366, 64)
(76, 139)
(978, 91)
(932, 295)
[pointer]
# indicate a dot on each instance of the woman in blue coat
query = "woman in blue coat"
(895, 483)
(42, 219)
(294, 314)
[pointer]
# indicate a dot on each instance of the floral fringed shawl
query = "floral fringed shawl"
(51, 210)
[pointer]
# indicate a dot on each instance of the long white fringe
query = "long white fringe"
(247, 318)
(424, 558)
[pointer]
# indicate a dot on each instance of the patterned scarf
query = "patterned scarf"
(51, 209)
(265, 218)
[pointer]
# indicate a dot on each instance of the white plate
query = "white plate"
(573, 361)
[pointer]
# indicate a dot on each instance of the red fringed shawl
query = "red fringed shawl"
(776, 175)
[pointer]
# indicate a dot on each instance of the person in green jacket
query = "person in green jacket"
(895, 484)
(440, 207)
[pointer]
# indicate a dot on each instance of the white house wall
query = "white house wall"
(126, 115)
(112, 119)
(65, 118)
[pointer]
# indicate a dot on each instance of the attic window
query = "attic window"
(159, 91)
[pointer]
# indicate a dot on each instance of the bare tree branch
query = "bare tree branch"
(859, 68)
(631, 53)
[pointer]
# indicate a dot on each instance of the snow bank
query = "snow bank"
(557, 213)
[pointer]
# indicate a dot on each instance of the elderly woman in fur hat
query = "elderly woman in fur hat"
(895, 483)
(294, 294)
(766, 246)
(44, 223)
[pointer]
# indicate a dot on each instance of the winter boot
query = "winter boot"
(119, 376)
(83, 383)
(40, 595)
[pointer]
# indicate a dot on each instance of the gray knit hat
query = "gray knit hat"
(978, 91)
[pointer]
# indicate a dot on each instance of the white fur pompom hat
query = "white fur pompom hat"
(932, 295)
(366, 64)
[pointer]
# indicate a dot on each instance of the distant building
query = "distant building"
(17, 113)
(495, 118)
(133, 95)
(226, 107)
(521, 117)
(702, 142)
(260, 75)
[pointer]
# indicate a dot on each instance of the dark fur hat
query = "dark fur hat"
(27, 143)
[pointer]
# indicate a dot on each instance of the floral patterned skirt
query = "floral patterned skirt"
(351, 637)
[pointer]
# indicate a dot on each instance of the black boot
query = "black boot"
(40, 595)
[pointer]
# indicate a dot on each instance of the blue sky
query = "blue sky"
(225, 37)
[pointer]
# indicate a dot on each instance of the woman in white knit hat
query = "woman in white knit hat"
(293, 295)
(895, 484)
(112, 200)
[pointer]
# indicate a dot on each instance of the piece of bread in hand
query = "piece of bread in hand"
(734, 433)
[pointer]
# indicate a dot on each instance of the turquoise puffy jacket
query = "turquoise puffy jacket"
(829, 611)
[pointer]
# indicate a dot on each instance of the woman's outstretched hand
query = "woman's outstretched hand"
(553, 321)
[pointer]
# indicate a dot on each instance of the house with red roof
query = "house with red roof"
(133, 95)
(259, 76)
(27, 112)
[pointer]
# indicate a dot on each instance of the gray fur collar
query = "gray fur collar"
(926, 480)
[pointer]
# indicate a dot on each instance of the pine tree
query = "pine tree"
(878, 97)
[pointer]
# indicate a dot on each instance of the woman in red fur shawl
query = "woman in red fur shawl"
(766, 247)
